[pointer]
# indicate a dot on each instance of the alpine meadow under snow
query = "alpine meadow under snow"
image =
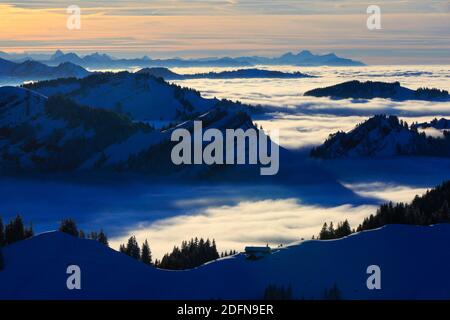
(309, 268)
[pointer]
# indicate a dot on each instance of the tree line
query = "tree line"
(430, 208)
(69, 226)
(12, 232)
(190, 254)
(328, 232)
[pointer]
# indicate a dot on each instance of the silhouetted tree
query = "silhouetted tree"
(69, 226)
(191, 254)
(146, 256)
(132, 248)
(323, 232)
(343, 229)
(15, 231)
(102, 238)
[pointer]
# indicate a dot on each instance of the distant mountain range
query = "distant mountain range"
(33, 70)
(103, 61)
(382, 136)
(370, 90)
(252, 73)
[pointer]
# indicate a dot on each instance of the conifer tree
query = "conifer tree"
(102, 238)
(192, 254)
(14, 230)
(146, 256)
(132, 248)
(69, 226)
(331, 231)
(324, 232)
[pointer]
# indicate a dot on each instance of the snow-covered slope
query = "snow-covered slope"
(372, 89)
(140, 96)
(57, 134)
(414, 264)
(381, 136)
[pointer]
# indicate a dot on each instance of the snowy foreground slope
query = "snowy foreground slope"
(414, 263)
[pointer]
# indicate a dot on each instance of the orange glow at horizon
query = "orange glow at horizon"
(44, 30)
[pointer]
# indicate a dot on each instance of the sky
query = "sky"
(412, 32)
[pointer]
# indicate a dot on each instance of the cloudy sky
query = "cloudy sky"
(415, 31)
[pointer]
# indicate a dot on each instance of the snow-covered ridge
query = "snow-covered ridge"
(140, 96)
(55, 133)
(59, 134)
(373, 89)
(414, 263)
(382, 136)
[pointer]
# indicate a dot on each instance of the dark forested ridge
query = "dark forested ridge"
(383, 135)
(374, 89)
(251, 73)
(428, 209)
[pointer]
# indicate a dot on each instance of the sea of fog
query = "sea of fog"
(305, 121)
(253, 213)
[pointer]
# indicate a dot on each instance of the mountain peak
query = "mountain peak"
(97, 57)
(305, 53)
(58, 53)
